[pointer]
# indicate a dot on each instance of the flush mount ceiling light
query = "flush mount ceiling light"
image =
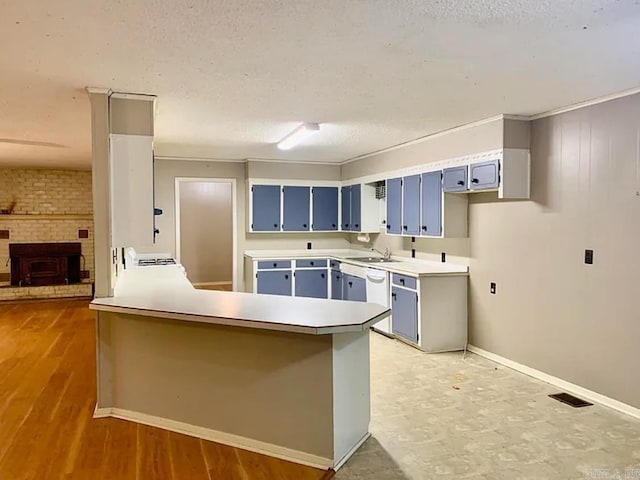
(299, 135)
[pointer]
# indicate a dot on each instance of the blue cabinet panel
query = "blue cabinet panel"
(274, 282)
(266, 208)
(484, 175)
(405, 281)
(394, 205)
(455, 179)
(431, 216)
(356, 208)
(404, 308)
(346, 208)
(325, 208)
(296, 209)
(314, 262)
(354, 288)
(271, 264)
(335, 264)
(336, 285)
(312, 283)
(411, 205)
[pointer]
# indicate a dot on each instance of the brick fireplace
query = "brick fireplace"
(43, 264)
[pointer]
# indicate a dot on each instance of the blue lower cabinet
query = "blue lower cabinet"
(354, 288)
(312, 283)
(336, 285)
(404, 309)
(274, 282)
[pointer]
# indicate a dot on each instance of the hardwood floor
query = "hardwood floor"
(47, 397)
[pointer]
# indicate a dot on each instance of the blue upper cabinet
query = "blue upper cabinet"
(296, 209)
(394, 206)
(431, 217)
(411, 205)
(325, 208)
(356, 208)
(484, 175)
(455, 179)
(266, 208)
(346, 208)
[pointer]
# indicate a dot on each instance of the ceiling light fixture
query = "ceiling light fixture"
(299, 135)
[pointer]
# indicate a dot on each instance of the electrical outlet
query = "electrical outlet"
(413, 253)
(308, 245)
(443, 257)
(588, 257)
(493, 288)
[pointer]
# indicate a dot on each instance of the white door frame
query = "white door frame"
(234, 218)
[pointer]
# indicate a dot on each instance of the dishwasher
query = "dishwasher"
(378, 292)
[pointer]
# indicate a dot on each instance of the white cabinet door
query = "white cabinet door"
(131, 158)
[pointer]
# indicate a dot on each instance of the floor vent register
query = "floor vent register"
(570, 400)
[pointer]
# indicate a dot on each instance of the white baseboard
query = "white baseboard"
(348, 455)
(558, 382)
(218, 437)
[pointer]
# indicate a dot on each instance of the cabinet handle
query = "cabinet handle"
(351, 284)
(322, 275)
(402, 281)
(475, 180)
(275, 265)
(388, 227)
(424, 228)
(394, 296)
(286, 277)
(404, 227)
(275, 225)
(304, 225)
(346, 225)
(311, 263)
(460, 182)
(356, 225)
(333, 225)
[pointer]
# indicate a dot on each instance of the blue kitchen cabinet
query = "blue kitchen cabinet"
(455, 179)
(484, 175)
(356, 208)
(354, 288)
(394, 206)
(325, 208)
(312, 283)
(296, 208)
(411, 205)
(346, 208)
(336, 285)
(274, 282)
(431, 215)
(266, 208)
(404, 308)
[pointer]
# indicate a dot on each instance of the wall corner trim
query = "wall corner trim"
(558, 382)
(98, 90)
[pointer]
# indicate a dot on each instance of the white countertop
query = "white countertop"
(401, 265)
(165, 292)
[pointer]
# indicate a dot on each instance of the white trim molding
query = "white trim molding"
(558, 382)
(217, 436)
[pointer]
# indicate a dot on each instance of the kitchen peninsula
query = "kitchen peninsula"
(285, 376)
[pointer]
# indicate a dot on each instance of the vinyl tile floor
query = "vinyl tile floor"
(443, 416)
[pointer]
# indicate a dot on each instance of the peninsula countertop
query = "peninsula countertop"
(164, 292)
(400, 265)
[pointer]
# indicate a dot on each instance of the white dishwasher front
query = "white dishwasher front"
(378, 292)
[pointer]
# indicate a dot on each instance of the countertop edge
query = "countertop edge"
(256, 324)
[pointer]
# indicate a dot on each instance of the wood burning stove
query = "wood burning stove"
(39, 264)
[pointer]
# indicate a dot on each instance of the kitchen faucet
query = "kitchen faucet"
(386, 254)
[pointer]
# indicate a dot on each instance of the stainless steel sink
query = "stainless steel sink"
(372, 259)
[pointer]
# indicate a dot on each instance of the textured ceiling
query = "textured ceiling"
(233, 77)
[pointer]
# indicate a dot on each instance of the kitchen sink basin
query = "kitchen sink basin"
(372, 259)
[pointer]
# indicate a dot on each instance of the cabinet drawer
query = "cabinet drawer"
(334, 264)
(404, 281)
(313, 262)
(271, 264)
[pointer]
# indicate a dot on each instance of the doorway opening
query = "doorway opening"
(206, 229)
